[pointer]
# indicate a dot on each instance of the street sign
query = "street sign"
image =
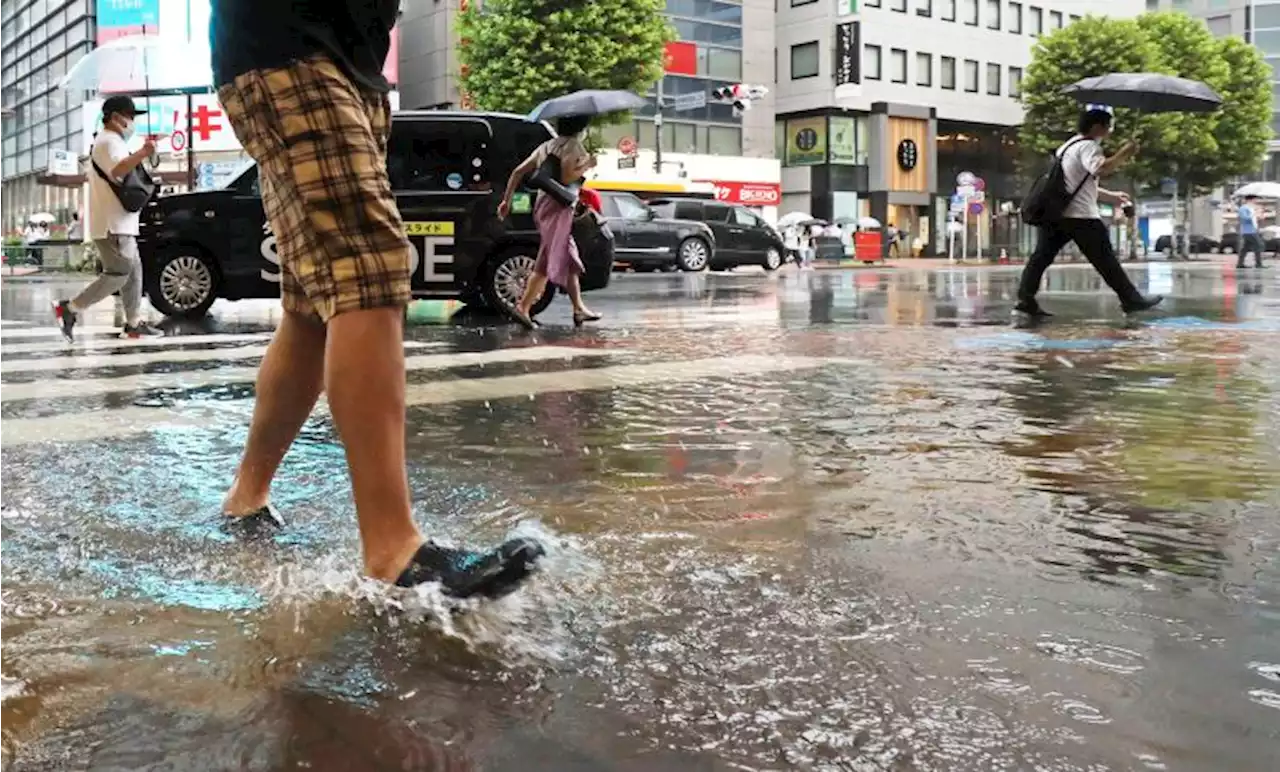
(965, 179)
(979, 196)
(690, 101)
(966, 191)
(627, 146)
(627, 162)
(975, 207)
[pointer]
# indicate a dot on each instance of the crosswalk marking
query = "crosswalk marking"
(50, 331)
(102, 344)
(51, 364)
(63, 388)
(11, 323)
(136, 420)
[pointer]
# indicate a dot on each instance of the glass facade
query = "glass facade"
(715, 26)
(1266, 38)
(41, 40)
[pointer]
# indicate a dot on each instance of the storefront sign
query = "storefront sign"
(682, 58)
(747, 193)
(208, 130)
(908, 155)
(848, 53)
(807, 141)
(846, 7)
(843, 144)
(128, 14)
(64, 163)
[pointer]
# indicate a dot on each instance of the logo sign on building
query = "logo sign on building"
(682, 58)
(848, 53)
(908, 154)
(747, 193)
(130, 14)
(846, 7)
(842, 141)
(807, 141)
(208, 129)
(64, 163)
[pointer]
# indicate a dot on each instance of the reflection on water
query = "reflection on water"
(957, 545)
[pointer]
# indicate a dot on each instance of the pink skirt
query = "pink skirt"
(558, 258)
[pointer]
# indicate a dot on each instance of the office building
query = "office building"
(882, 104)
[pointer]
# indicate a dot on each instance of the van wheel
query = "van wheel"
(184, 283)
(505, 277)
(772, 259)
(693, 254)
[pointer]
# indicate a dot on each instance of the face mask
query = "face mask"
(126, 130)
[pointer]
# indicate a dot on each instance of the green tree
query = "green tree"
(516, 53)
(1092, 46)
(1243, 124)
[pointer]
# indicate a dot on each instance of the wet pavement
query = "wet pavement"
(827, 521)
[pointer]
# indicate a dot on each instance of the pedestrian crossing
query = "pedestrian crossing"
(109, 386)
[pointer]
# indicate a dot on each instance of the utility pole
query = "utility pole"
(657, 129)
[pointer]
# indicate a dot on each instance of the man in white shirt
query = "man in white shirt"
(1082, 164)
(112, 229)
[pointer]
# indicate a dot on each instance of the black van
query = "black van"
(447, 169)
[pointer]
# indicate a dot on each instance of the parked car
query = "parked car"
(447, 170)
(645, 241)
(741, 237)
(1230, 242)
(1200, 245)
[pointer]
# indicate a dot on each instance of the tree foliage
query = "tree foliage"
(1203, 149)
(516, 53)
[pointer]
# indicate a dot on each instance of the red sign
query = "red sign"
(747, 193)
(627, 146)
(682, 58)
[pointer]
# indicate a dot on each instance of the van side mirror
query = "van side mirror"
(649, 214)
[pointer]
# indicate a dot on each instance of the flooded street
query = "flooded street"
(838, 520)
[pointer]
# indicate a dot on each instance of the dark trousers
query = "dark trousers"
(1094, 241)
(1250, 242)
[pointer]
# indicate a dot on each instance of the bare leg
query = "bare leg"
(575, 296)
(364, 379)
(532, 291)
(289, 383)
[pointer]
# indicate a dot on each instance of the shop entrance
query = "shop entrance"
(912, 223)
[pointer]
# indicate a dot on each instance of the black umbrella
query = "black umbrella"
(586, 102)
(1147, 92)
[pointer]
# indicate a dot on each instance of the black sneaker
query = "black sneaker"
(463, 573)
(1142, 304)
(141, 330)
(262, 523)
(66, 319)
(1032, 309)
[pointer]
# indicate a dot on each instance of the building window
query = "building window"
(1037, 22)
(798, 3)
(971, 76)
(924, 69)
(724, 140)
(924, 8)
(1015, 81)
(1015, 18)
(948, 10)
(804, 60)
(993, 79)
(872, 3)
(993, 14)
(898, 5)
(971, 12)
(1073, 18)
(947, 76)
(1055, 19)
(897, 65)
(871, 62)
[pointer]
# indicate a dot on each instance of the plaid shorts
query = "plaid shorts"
(321, 145)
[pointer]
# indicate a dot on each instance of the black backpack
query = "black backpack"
(1049, 197)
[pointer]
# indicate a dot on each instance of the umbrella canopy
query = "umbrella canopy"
(1147, 92)
(794, 219)
(42, 217)
(586, 102)
(868, 222)
(141, 63)
(1267, 190)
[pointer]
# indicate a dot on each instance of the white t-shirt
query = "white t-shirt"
(1081, 161)
(106, 215)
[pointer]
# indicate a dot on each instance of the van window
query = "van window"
(664, 209)
(717, 212)
(689, 210)
(627, 206)
(743, 217)
(439, 155)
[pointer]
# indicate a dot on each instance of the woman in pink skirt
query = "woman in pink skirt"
(558, 260)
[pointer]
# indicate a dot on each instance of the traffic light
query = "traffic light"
(739, 95)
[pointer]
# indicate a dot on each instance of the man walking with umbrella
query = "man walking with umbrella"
(1083, 163)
